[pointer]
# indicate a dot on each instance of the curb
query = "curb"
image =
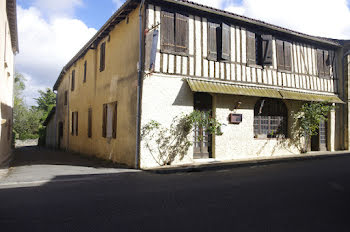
(244, 163)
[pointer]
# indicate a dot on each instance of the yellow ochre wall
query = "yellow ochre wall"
(118, 82)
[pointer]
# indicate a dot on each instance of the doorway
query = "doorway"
(319, 141)
(202, 138)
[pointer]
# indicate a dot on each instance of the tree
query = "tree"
(46, 101)
(308, 119)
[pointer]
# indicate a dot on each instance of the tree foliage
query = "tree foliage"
(308, 119)
(27, 121)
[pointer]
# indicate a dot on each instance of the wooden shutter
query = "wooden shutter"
(287, 56)
(167, 39)
(251, 50)
(181, 34)
(90, 123)
(73, 80)
(104, 121)
(151, 49)
(102, 56)
(212, 41)
(267, 49)
(225, 42)
(114, 130)
(85, 65)
(72, 129)
(320, 63)
(280, 54)
(76, 123)
(326, 63)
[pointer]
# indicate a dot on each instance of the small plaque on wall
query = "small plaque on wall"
(235, 118)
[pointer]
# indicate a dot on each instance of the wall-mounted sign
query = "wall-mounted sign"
(235, 118)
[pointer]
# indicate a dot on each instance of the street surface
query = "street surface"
(311, 195)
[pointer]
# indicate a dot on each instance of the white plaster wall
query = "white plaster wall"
(164, 98)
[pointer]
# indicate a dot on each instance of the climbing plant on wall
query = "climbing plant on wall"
(168, 143)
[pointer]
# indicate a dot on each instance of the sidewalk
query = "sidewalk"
(212, 164)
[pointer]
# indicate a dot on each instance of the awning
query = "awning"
(225, 88)
(217, 87)
(310, 97)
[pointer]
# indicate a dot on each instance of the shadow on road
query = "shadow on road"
(35, 155)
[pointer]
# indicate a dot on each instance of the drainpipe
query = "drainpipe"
(345, 113)
(139, 89)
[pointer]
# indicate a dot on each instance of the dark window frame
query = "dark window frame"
(73, 80)
(270, 118)
(65, 98)
(102, 56)
(259, 49)
(85, 67)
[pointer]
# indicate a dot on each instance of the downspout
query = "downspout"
(345, 113)
(139, 89)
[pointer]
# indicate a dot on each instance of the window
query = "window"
(102, 56)
(284, 55)
(90, 123)
(60, 129)
(270, 118)
(85, 65)
(74, 128)
(109, 120)
(218, 41)
(65, 98)
(73, 80)
(174, 33)
(324, 61)
(259, 49)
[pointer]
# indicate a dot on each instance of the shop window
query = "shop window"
(270, 118)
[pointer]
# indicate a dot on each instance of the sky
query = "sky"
(51, 32)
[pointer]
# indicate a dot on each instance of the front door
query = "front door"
(319, 141)
(202, 139)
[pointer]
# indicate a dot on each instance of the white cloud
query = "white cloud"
(315, 17)
(212, 3)
(46, 46)
(56, 8)
(118, 3)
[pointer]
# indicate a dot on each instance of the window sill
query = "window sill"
(284, 71)
(175, 53)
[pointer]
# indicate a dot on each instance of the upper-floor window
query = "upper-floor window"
(284, 55)
(85, 66)
(174, 33)
(270, 118)
(73, 81)
(219, 41)
(259, 49)
(65, 98)
(102, 56)
(109, 120)
(324, 60)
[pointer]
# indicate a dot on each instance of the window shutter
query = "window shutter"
(76, 123)
(326, 64)
(167, 32)
(267, 49)
(225, 42)
(72, 129)
(73, 80)
(90, 123)
(251, 51)
(181, 34)
(151, 49)
(104, 121)
(102, 56)
(280, 54)
(114, 132)
(320, 63)
(85, 65)
(212, 41)
(288, 56)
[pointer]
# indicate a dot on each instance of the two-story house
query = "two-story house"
(8, 49)
(156, 60)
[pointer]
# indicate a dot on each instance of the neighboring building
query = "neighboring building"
(251, 75)
(50, 130)
(8, 49)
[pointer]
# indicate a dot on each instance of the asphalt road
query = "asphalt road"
(295, 196)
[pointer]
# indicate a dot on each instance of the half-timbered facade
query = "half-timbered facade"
(252, 76)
